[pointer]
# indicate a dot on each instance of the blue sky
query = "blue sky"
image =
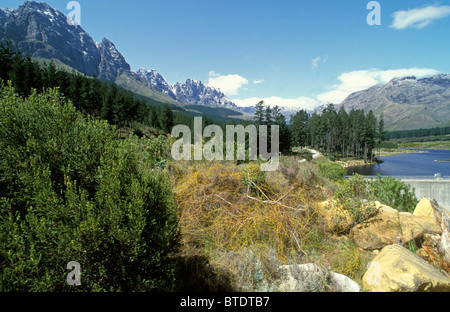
(286, 52)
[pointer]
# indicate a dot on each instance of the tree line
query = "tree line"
(338, 132)
(417, 133)
(352, 134)
(267, 116)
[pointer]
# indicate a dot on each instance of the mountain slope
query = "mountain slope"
(38, 30)
(406, 103)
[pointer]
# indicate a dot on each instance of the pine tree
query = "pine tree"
(268, 117)
(280, 120)
(259, 114)
(51, 76)
(6, 61)
(153, 117)
(166, 120)
(107, 112)
(299, 129)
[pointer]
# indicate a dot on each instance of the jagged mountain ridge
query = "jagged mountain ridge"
(38, 30)
(191, 91)
(406, 103)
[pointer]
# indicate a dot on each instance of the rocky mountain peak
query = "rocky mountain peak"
(38, 30)
(4, 14)
(192, 91)
(442, 80)
(112, 63)
(157, 81)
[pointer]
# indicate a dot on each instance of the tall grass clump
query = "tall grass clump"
(71, 190)
(248, 222)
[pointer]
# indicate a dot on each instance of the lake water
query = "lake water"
(422, 165)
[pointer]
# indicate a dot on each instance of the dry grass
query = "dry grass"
(248, 222)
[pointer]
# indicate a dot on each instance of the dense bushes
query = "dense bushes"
(355, 193)
(332, 171)
(70, 190)
(394, 193)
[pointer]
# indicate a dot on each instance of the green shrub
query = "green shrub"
(394, 193)
(332, 171)
(353, 194)
(71, 190)
(306, 154)
(356, 193)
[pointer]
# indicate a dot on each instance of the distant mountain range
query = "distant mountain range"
(406, 103)
(38, 30)
(192, 91)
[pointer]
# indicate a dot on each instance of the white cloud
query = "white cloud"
(315, 62)
(259, 81)
(354, 81)
(419, 18)
(228, 84)
(299, 103)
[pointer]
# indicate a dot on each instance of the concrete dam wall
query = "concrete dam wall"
(434, 188)
(438, 189)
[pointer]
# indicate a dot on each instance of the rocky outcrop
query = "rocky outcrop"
(336, 219)
(392, 227)
(444, 246)
(426, 208)
(311, 278)
(4, 13)
(425, 231)
(112, 63)
(430, 208)
(190, 92)
(38, 30)
(396, 269)
(157, 81)
(194, 91)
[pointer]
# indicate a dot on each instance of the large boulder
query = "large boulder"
(396, 269)
(392, 227)
(335, 217)
(311, 278)
(425, 208)
(444, 246)
(430, 208)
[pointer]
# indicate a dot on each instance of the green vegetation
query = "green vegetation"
(100, 99)
(338, 133)
(432, 138)
(357, 190)
(268, 116)
(332, 171)
(387, 145)
(86, 175)
(418, 133)
(443, 145)
(71, 190)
